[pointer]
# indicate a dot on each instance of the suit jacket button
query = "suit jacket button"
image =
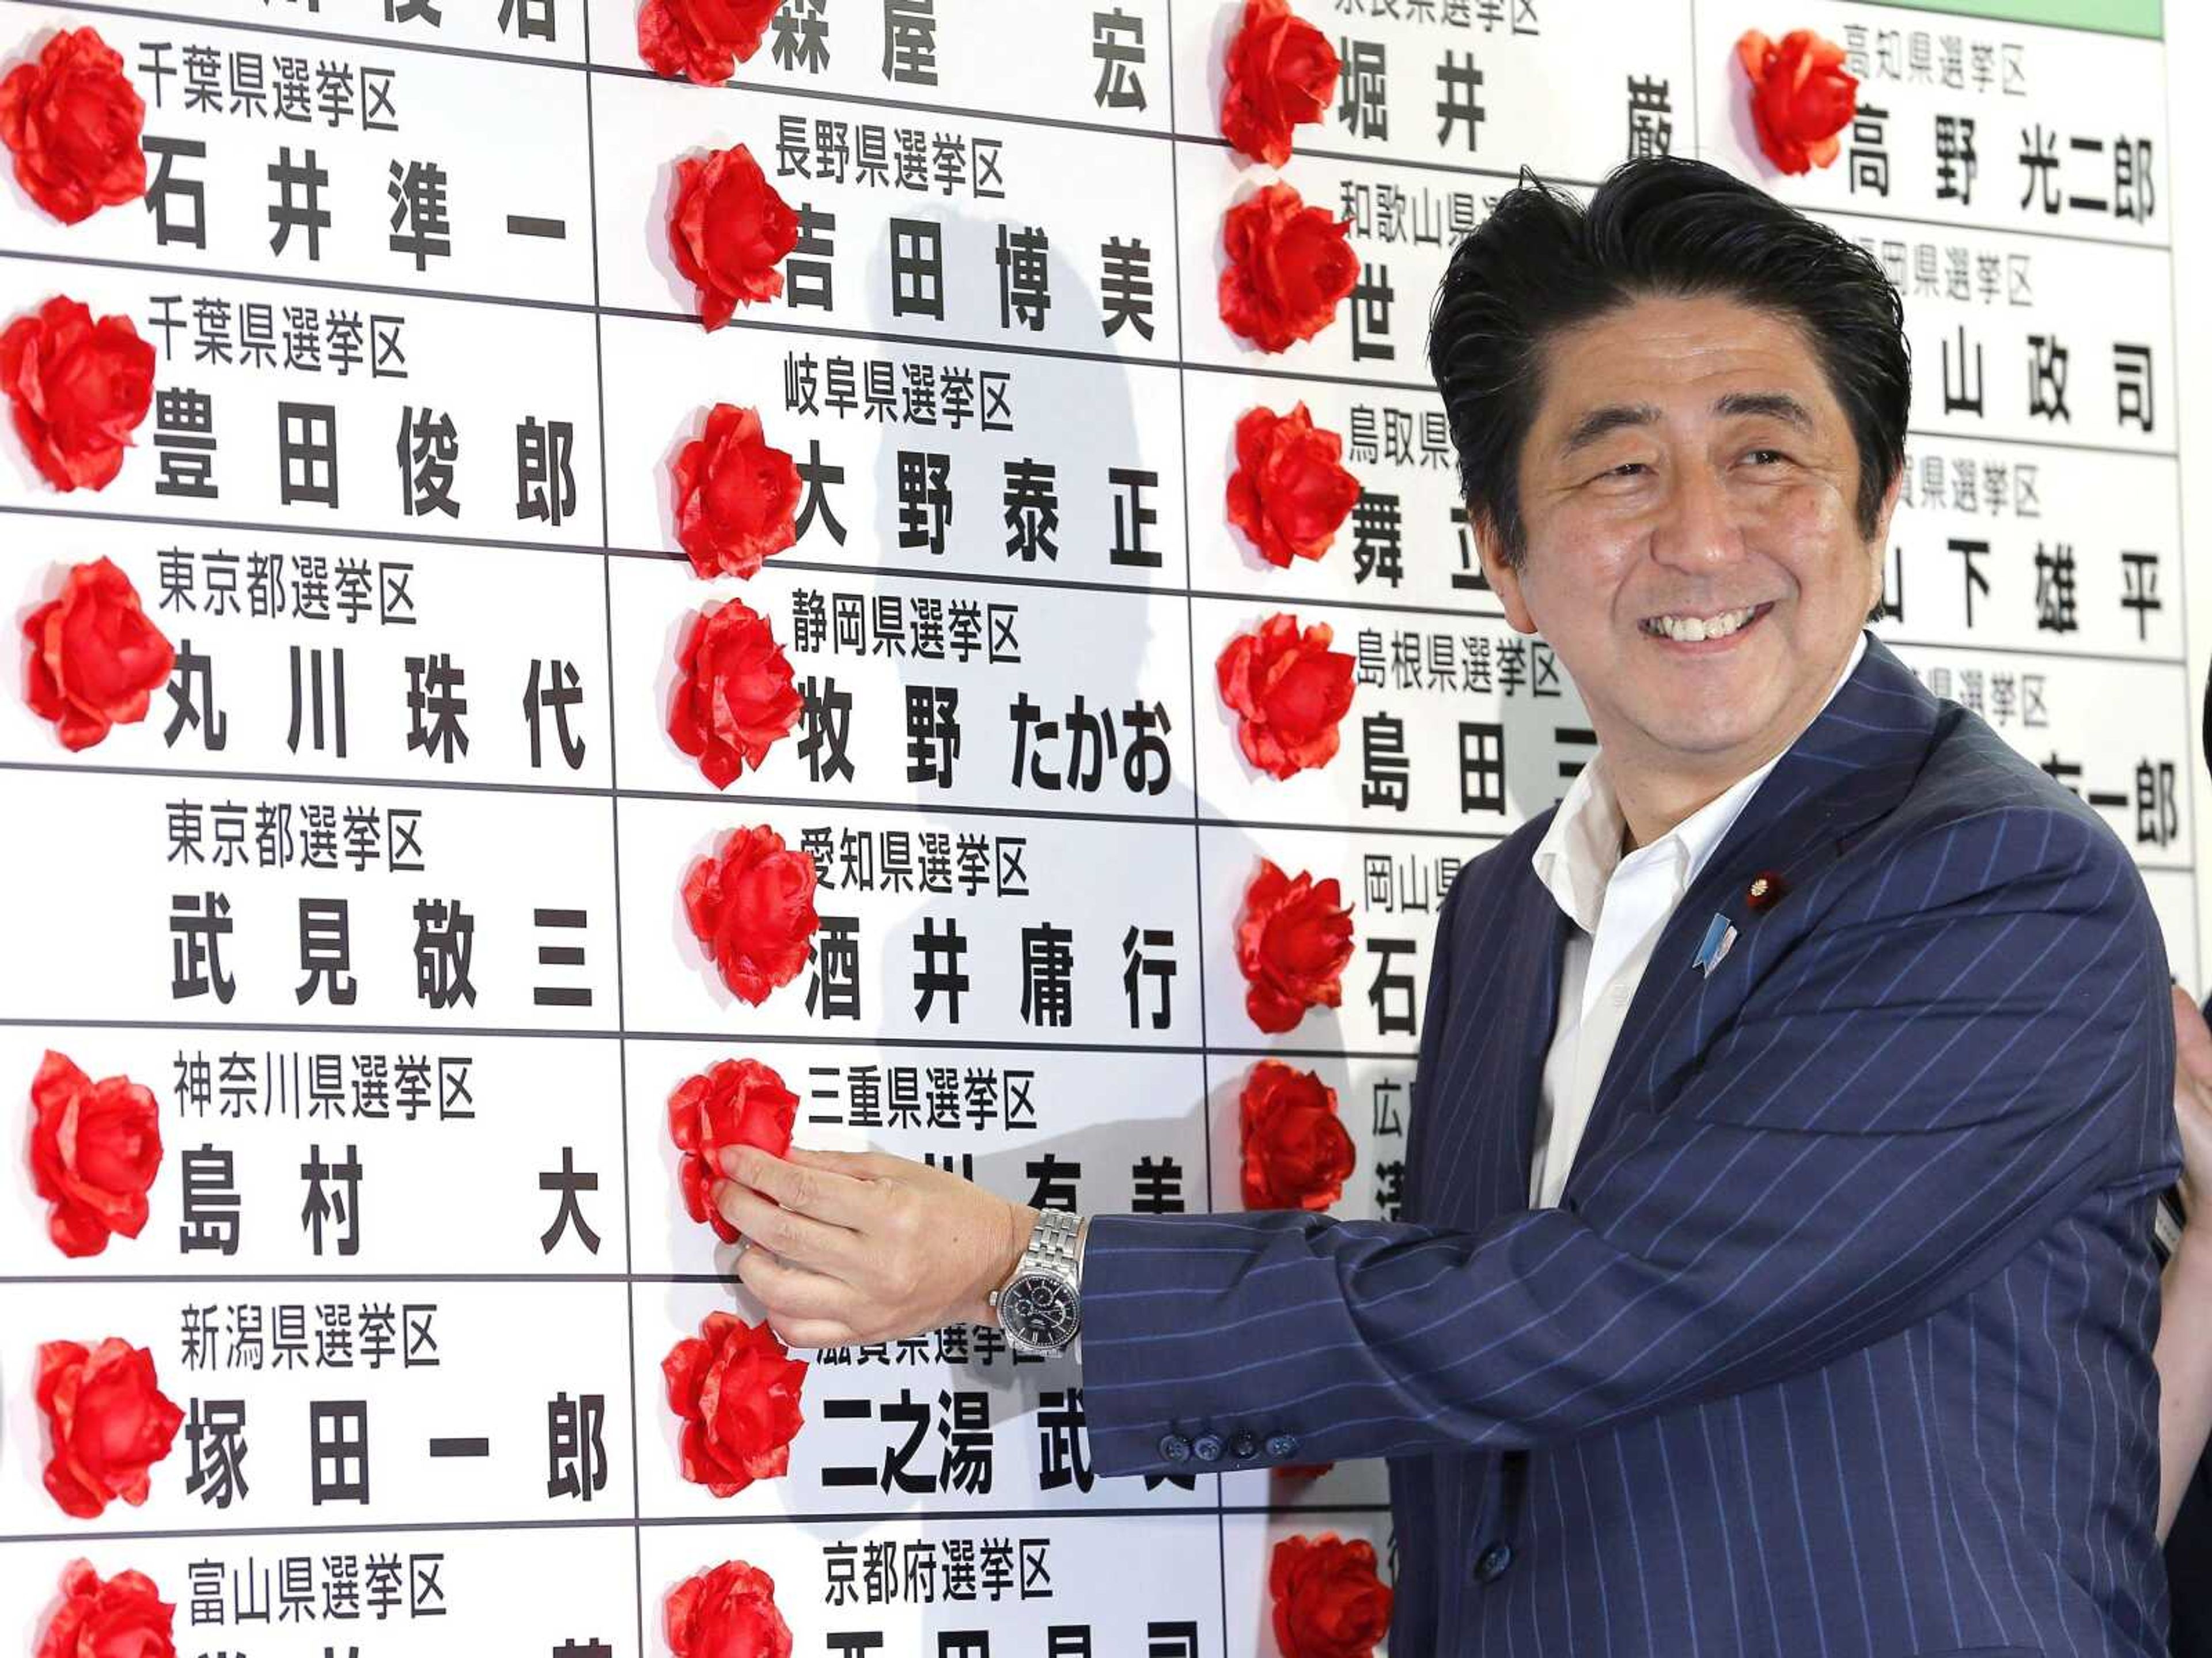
(1206, 1447)
(1490, 1565)
(1243, 1446)
(1281, 1444)
(1175, 1447)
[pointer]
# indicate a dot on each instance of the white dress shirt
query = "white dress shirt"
(1618, 906)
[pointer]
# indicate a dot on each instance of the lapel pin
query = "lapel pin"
(1766, 888)
(1720, 933)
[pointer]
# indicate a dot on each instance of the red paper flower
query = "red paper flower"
(735, 494)
(1295, 1150)
(703, 39)
(96, 659)
(1288, 495)
(95, 1149)
(79, 388)
(727, 1612)
(1290, 690)
(124, 1617)
(752, 904)
(1328, 1602)
(736, 1388)
(1281, 71)
(108, 1420)
(1294, 941)
(733, 694)
(73, 120)
(732, 1102)
(1800, 96)
(1288, 266)
(728, 230)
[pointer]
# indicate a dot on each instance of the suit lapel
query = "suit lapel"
(1475, 1119)
(1540, 945)
(1850, 766)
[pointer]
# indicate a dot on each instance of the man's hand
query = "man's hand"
(2192, 1102)
(855, 1246)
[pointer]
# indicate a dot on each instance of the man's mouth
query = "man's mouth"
(1687, 630)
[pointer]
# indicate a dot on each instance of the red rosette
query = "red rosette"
(75, 125)
(736, 495)
(1329, 1600)
(1800, 96)
(702, 41)
(728, 1611)
(108, 1422)
(1290, 692)
(1279, 72)
(732, 1102)
(735, 1388)
(728, 230)
(1288, 267)
(121, 1617)
(752, 904)
(1289, 495)
(96, 658)
(1293, 942)
(78, 389)
(95, 1147)
(734, 699)
(1293, 1148)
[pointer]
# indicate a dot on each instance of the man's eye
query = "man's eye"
(1624, 468)
(1776, 454)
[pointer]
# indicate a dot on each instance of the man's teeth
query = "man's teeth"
(1692, 629)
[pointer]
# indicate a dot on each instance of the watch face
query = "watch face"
(1040, 1310)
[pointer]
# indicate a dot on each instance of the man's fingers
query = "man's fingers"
(859, 1165)
(785, 1232)
(791, 1292)
(813, 1332)
(824, 1192)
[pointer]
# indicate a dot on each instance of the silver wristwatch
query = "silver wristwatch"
(1037, 1305)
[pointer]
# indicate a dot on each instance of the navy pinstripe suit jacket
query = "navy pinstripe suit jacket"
(1838, 1342)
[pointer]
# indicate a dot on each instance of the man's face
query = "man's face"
(1688, 460)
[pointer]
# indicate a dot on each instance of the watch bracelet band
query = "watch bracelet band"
(1052, 1242)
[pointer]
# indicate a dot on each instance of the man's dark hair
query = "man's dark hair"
(1658, 227)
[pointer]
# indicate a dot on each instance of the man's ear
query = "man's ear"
(1878, 547)
(1888, 507)
(1489, 549)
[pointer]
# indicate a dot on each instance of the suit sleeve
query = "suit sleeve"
(1975, 1037)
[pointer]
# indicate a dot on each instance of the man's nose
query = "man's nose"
(1697, 526)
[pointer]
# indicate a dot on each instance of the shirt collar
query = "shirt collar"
(1581, 850)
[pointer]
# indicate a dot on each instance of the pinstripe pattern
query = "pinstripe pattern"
(1838, 1341)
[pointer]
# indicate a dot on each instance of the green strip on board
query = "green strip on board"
(2141, 17)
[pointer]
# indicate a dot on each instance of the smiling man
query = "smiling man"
(1776, 1273)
